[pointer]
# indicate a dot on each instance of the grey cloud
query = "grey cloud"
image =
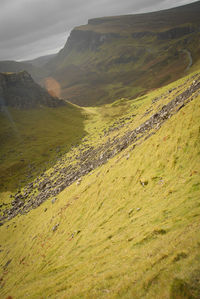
(31, 28)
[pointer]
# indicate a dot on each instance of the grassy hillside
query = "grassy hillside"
(127, 56)
(32, 139)
(130, 228)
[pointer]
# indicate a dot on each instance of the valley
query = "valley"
(87, 157)
(126, 56)
(154, 200)
(99, 172)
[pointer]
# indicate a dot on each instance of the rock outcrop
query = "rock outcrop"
(37, 72)
(126, 56)
(173, 33)
(20, 91)
(83, 40)
(177, 32)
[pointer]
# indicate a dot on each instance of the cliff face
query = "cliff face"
(80, 41)
(84, 40)
(20, 91)
(125, 56)
(178, 32)
(37, 71)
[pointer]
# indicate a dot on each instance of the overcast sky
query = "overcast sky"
(32, 28)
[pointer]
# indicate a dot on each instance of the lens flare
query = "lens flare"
(53, 87)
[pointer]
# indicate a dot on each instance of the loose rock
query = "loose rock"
(55, 227)
(54, 200)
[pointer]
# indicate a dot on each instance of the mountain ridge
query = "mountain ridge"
(190, 9)
(111, 58)
(38, 73)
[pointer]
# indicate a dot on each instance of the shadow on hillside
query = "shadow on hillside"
(32, 140)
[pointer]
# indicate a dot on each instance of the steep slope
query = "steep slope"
(35, 128)
(126, 56)
(129, 228)
(91, 157)
(20, 91)
(33, 139)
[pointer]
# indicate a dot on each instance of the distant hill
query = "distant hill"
(40, 61)
(125, 56)
(20, 91)
(37, 72)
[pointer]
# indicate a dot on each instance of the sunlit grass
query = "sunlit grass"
(116, 238)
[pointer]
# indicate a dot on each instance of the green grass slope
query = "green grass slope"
(126, 56)
(129, 230)
(32, 139)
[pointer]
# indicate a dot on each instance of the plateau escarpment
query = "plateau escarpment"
(20, 91)
(126, 56)
(81, 41)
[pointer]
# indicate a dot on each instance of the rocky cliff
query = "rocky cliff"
(126, 56)
(37, 72)
(20, 91)
(80, 40)
(84, 40)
